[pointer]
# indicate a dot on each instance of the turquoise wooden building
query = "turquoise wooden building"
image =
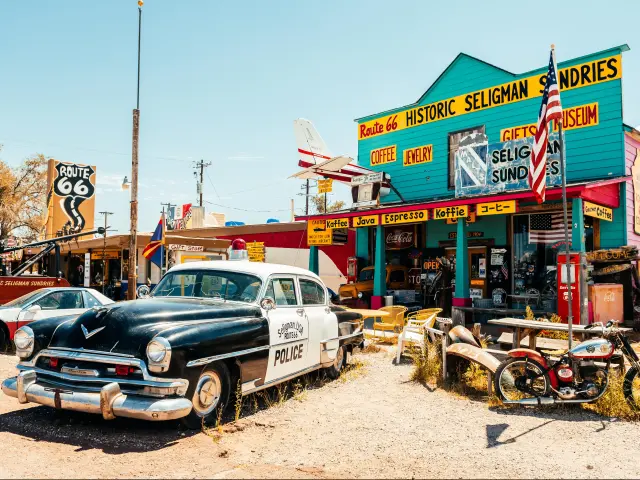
(461, 151)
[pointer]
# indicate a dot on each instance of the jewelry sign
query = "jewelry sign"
(483, 168)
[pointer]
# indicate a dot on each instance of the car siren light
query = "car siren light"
(239, 250)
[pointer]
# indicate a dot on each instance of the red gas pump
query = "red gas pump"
(352, 269)
(563, 291)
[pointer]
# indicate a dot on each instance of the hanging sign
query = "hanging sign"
(318, 233)
(399, 238)
(383, 155)
(405, 217)
(496, 208)
(337, 223)
(366, 221)
(106, 255)
(454, 235)
(450, 212)
(325, 186)
(575, 76)
(471, 218)
(572, 118)
(417, 155)
(598, 211)
(622, 254)
(483, 168)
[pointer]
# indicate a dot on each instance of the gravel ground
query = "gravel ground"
(375, 424)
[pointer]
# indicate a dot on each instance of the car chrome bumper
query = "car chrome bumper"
(110, 401)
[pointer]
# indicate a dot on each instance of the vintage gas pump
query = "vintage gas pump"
(352, 269)
(577, 271)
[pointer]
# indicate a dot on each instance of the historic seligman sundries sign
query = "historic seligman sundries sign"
(483, 168)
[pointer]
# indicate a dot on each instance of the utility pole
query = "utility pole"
(133, 230)
(202, 166)
(104, 246)
(166, 249)
(306, 199)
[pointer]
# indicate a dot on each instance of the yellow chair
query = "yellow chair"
(395, 322)
(423, 318)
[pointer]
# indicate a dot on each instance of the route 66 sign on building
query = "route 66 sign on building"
(71, 197)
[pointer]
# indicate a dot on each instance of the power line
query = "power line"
(212, 185)
(247, 209)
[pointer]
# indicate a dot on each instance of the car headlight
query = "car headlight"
(24, 340)
(359, 294)
(159, 354)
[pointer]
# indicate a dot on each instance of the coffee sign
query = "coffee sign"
(366, 221)
(399, 238)
(450, 212)
(598, 211)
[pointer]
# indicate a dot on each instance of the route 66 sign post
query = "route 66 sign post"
(71, 197)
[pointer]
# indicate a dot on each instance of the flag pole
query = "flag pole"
(566, 222)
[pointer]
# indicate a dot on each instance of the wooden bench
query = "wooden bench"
(541, 342)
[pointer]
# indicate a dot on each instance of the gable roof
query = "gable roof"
(461, 55)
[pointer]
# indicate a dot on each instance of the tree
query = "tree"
(317, 202)
(23, 198)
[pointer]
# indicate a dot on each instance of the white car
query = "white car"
(46, 303)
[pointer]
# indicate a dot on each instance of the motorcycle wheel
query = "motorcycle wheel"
(631, 388)
(519, 378)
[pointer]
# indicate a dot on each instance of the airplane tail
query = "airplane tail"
(311, 146)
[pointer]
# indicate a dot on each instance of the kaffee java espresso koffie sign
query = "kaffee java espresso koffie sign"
(499, 167)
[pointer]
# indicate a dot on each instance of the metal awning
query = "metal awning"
(602, 192)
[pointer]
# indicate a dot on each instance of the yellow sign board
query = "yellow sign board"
(71, 198)
(366, 221)
(496, 208)
(337, 223)
(597, 211)
(417, 155)
(575, 76)
(318, 233)
(471, 218)
(405, 217)
(572, 118)
(325, 186)
(108, 255)
(383, 155)
(450, 212)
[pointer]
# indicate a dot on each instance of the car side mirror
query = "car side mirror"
(34, 308)
(268, 303)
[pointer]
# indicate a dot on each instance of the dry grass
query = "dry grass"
(427, 364)
(371, 348)
(613, 404)
(548, 334)
(352, 371)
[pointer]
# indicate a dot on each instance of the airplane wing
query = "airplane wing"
(331, 166)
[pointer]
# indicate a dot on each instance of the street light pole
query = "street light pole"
(133, 231)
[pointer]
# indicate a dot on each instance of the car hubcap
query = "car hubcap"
(207, 394)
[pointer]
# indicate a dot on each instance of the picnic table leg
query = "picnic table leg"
(516, 339)
(532, 339)
(489, 382)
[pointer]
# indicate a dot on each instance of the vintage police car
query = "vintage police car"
(181, 352)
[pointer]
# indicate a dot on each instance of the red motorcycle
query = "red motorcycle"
(581, 375)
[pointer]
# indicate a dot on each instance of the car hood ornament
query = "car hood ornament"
(88, 334)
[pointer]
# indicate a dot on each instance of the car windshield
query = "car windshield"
(366, 275)
(24, 299)
(216, 284)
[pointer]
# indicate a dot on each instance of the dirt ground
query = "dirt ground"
(375, 423)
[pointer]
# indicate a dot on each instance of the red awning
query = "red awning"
(602, 192)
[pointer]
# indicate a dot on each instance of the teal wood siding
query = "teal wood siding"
(614, 234)
(592, 152)
(362, 243)
(493, 226)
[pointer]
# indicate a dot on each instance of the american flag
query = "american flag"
(505, 270)
(550, 109)
(547, 227)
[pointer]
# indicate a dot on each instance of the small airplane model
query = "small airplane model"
(317, 160)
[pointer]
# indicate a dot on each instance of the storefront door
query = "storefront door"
(477, 270)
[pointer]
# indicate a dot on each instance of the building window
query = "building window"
(454, 143)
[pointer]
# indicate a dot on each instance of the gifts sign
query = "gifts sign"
(73, 186)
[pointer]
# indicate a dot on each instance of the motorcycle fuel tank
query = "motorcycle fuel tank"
(596, 348)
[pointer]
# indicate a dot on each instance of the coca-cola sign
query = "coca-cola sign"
(397, 238)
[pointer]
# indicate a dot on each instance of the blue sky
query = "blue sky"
(223, 81)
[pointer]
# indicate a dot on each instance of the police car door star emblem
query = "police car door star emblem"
(88, 334)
